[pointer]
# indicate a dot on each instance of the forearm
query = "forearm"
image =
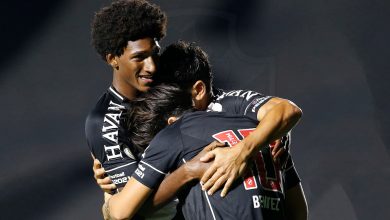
(274, 124)
(124, 205)
(169, 187)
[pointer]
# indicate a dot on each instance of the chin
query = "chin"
(144, 88)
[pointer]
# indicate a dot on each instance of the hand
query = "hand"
(196, 168)
(280, 149)
(105, 183)
(228, 166)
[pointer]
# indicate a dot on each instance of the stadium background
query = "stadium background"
(330, 57)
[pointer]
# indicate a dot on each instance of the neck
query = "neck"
(124, 89)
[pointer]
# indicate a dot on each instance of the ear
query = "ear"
(112, 60)
(198, 91)
(171, 120)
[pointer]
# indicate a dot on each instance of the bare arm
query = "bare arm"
(192, 170)
(126, 203)
(277, 117)
(167, 190)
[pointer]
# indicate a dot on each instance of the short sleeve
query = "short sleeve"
(108, 143)
(290, 174)
(240, 102)
(162, 156)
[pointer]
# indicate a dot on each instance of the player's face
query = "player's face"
(137, 64)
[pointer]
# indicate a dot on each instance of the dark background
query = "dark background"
(331, 57)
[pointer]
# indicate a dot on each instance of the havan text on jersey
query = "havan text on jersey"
(110, 130)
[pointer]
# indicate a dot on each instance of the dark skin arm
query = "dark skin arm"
(192, 170)
(174, 182)
(134, 196)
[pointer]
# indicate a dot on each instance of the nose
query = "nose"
(150, 65)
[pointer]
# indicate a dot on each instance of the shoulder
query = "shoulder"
(168, 134)
(236, 93)
(96, 115)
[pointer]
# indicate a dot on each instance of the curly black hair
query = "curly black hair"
(113, 26)
(184, 63)
(151, 110)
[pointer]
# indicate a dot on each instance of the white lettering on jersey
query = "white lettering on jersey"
(113, 152)
(110, 130)
(248, 94)
(116, 107)
(119, 178)
(139, 173)
(114, 117)
(141, 167)
(239, 93)
(111, 136)
(266, 202)
(111, 125)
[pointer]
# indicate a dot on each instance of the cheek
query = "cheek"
(129, 69)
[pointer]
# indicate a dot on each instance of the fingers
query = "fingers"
(212, 180)
(213, 145)
(218, 184)
(104, 181)
(96, 164)
(227, 186)
(275, 146)
(208, 156)
(278, 154)
(106, 184)
(208, 174)
(99, 173)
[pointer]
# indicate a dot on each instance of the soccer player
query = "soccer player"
(126, 34)
(263, 194)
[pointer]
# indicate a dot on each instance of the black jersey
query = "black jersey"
(105, 130)
(240, 102)
(259, 196)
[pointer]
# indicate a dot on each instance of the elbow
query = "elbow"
(118, 214)
(294, 113)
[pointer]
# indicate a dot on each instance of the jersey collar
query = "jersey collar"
(116, 94)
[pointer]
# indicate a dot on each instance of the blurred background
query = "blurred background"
(331, 57)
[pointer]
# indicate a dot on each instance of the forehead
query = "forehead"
(144, 44)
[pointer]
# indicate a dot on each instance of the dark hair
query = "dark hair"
(150, 112)
(184, 63)
(124, 20)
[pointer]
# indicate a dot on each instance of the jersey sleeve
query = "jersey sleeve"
(111, 149)
(291, 177)
(160, 157)
(240, 102)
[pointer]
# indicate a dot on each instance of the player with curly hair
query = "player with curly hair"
(126, 35)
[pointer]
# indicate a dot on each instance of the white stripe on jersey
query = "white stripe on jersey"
(153, 167)
(125, 165)
(211, 208)
(117, 94)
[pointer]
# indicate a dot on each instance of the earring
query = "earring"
(114, 65)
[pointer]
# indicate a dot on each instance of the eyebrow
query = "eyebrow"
(143, 52)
